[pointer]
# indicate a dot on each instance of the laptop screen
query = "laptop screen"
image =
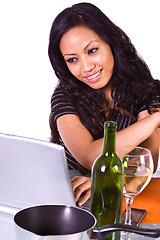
(33, 172)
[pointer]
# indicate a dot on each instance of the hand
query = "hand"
(81, 185)
(157, 115)
(159, 118)
(142, 115)
(145, 114)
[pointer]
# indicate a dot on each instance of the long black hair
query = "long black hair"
(131, 77)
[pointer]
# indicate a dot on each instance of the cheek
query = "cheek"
(104, 60)
(107, 60)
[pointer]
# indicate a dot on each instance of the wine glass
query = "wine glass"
(138, 170)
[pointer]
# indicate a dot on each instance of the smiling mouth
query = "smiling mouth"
(95, 76)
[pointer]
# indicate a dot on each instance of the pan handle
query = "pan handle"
(105, 230)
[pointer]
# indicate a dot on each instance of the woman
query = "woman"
(101, 77)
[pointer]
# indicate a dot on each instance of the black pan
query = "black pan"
(68, 222)
(53, 220)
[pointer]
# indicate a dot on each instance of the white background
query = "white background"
(27, 80)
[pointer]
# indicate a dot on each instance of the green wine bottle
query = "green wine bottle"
(107, 183)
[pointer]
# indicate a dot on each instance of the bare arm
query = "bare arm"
(153, 142)
(85, 149)
(145, 132)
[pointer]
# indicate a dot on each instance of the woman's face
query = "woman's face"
(88, 57)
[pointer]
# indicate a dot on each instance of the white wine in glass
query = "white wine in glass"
(136, 179)
(138, 170)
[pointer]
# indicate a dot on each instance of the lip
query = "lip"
(93, 77)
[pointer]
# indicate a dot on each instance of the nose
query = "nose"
(87, 65)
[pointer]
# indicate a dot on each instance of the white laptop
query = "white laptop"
(32, 172)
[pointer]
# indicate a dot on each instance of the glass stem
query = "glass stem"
(128, 210)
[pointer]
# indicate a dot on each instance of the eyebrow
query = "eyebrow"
(70, 54)
(90, 43)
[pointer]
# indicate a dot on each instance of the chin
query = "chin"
(98, 85)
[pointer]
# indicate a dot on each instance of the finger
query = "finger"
(81, 189)
(85, 198)
(76, 183)
(77, 195)
(80, 181)
(75, 178)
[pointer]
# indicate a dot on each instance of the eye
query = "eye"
(92, 50)
(71, 60)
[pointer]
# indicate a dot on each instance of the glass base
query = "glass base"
(127, 236)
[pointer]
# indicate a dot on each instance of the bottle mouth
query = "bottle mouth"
(111, 124)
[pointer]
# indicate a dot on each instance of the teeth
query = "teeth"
(93, 76)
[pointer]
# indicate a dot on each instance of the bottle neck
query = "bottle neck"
(109, 144)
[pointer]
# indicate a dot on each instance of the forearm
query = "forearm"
(153, 144)
(138, 132)
(145, 133)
